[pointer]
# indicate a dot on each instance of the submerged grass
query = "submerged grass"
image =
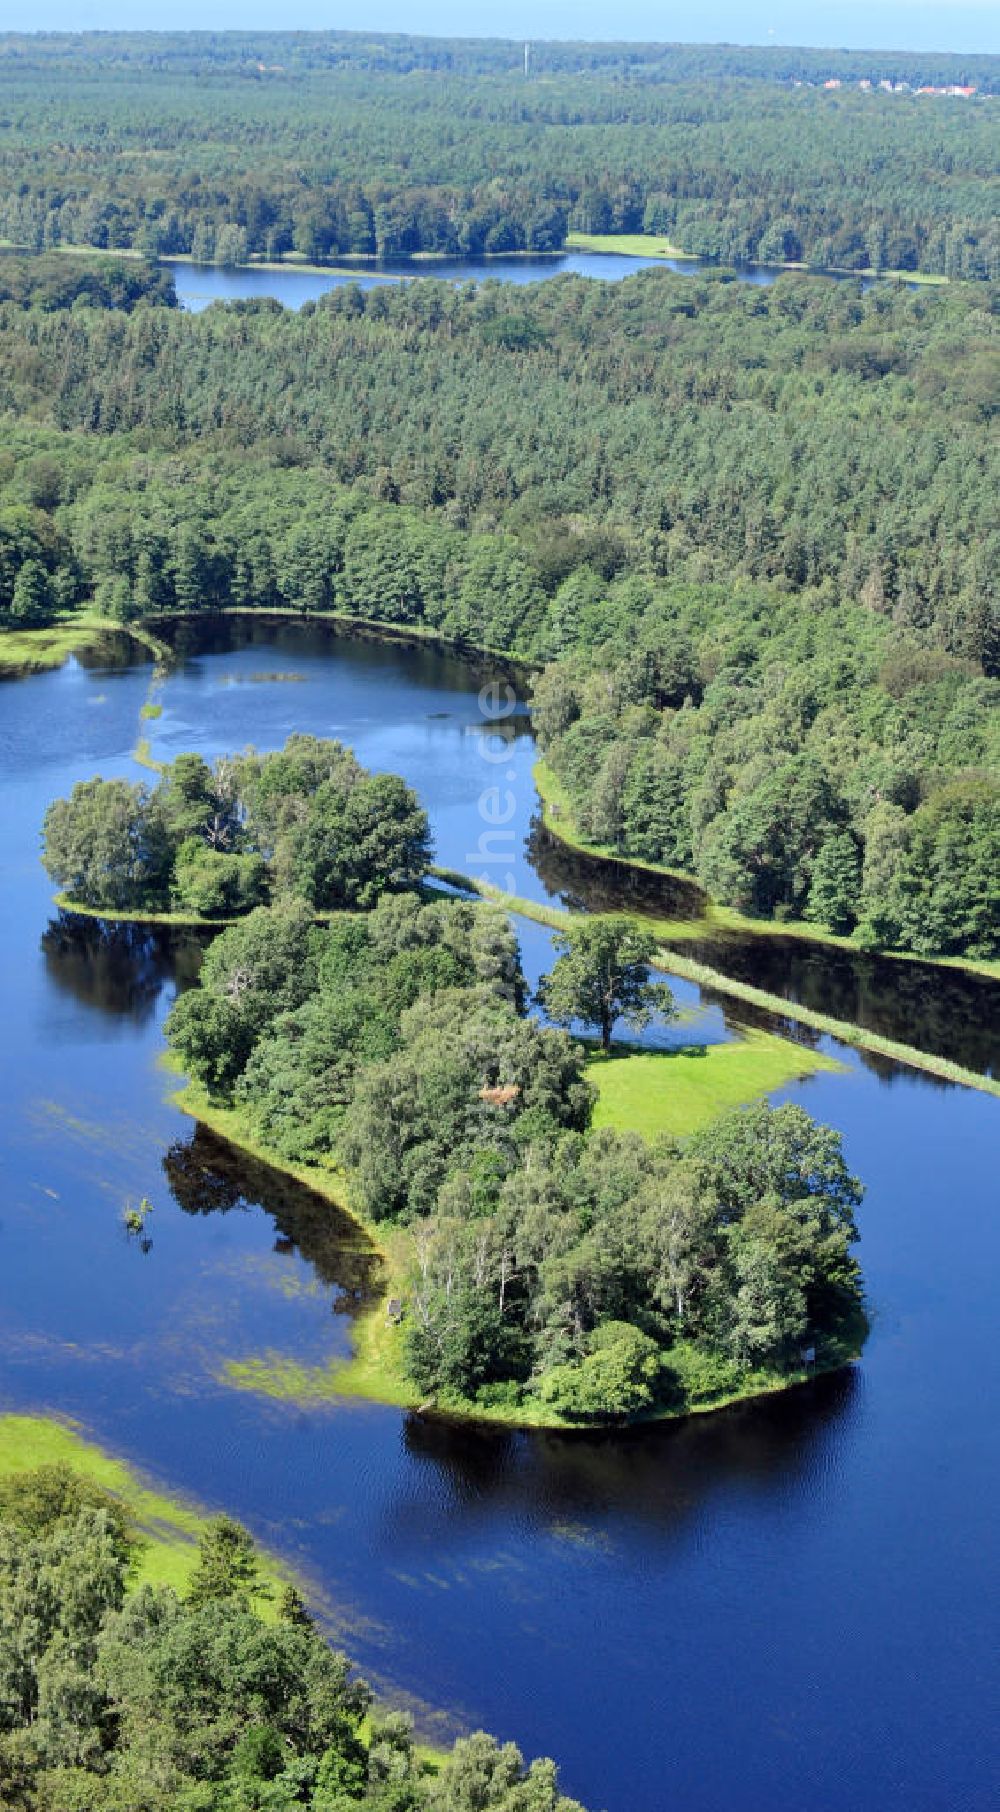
(376, 1375)
(117, 916)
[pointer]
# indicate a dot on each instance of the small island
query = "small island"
(212, 843)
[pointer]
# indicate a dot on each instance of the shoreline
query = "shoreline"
(551, 797)
(365, 264)
(654, 245)
(373, 1371)
(167, 1523)
(673, 963)
(718, 917)
(164, 921)
(375, 628)
(47, 646)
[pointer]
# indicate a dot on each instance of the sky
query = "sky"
(897, 24)
(960, 25)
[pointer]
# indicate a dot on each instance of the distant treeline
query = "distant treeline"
(262, 54)
(230, 146)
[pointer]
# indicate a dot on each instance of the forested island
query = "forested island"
(308, 822)
(748, 535)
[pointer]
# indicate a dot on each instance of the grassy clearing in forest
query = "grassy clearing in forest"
(679, 1092)
(627, 245)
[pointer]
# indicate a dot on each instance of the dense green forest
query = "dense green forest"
(231, 146)
(123, 1698)
(752, 534)
(47, 281)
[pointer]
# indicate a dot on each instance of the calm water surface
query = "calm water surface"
(200, 284)
(783, 1606)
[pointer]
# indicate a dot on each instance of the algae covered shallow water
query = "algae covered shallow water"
(813, 1575)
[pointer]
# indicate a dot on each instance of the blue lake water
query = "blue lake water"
(200, 284)
(786, 1605)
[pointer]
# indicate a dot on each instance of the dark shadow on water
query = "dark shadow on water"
(586, 883)
(351, 643)
(658, 1474)
(113, 651)
(119, 968)
(207, 1176)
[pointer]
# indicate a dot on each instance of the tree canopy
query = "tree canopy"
(389, 145)
(305, 823)
(548, 1263)
(601, 975)
(115, 1698)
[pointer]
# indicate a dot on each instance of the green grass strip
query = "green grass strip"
(25, 651)
(169, 1528)
(678, 1092)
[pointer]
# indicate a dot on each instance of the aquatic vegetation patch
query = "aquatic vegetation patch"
(263, 679)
